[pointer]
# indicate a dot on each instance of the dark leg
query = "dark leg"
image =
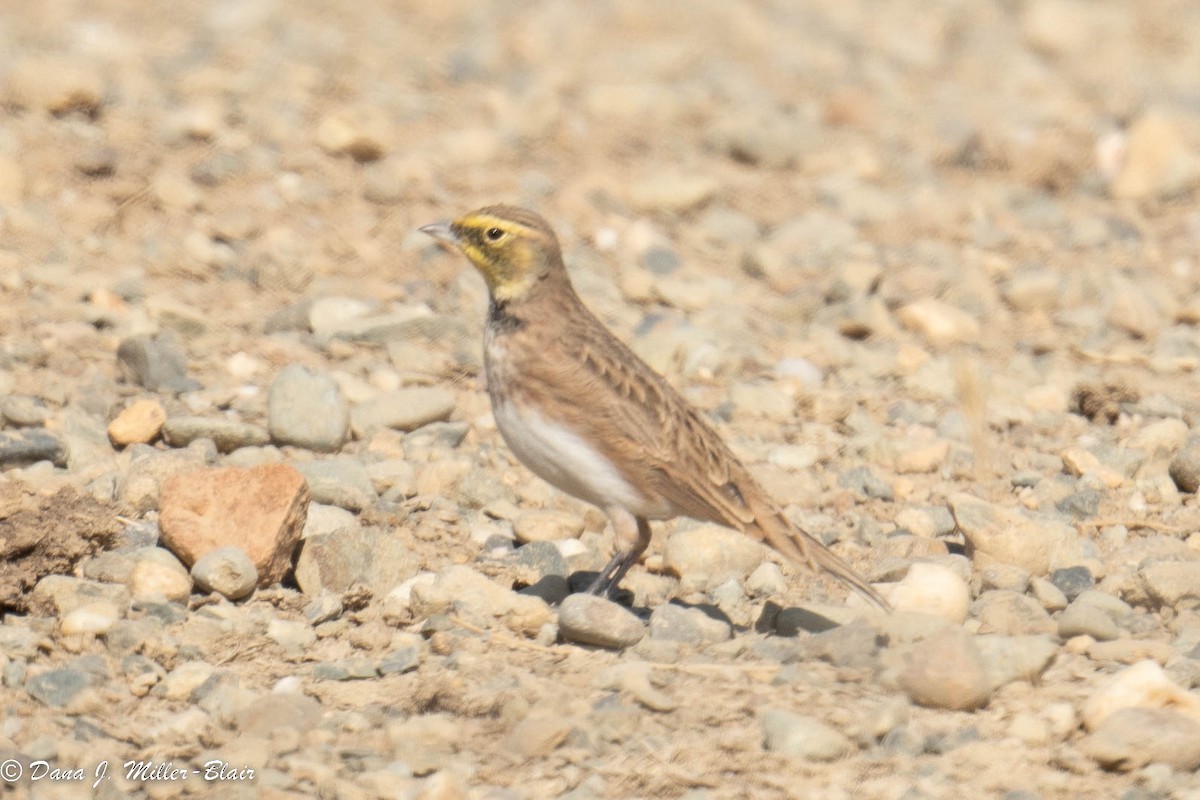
(627, 527)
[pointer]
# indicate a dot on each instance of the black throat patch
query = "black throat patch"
(501, 319)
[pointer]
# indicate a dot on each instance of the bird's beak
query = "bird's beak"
(442, 231)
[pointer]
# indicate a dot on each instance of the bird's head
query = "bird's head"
(513, 248)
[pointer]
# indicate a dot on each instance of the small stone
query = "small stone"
(1158, 160)
(292, 635)
(181, 682)
(158, 576)
(227, 434)
(1134, 737)
(30, 446)
(1005, 577)
(1161, 437)
(1049, 595)
(57, 687)
(588, 619)
(1072, 581)
(474, 596)
(766, 580)
(306, 409)
(672, 192)
(1089, 615)
(1083, 504)
(259, 509)
(1143, 685)
(547, 525)
(543, 558)
(690, 625)
(802, 736)
(1185, 469)
(140, 486)
(1131, 651)
(1175, 584)
(538, 735)
(339, 481)
(139, 423)
(946, 670)
(287, 711)
(324, 518)
(1010, 658)
(1011, 613)
(62, 594)
(997, 535)
(361, 133)
(155, 363)
(23, 411)
(228, 570)
(402, 409)
(940, 324)
(932, 589)
(95, 618)
(706, 556)
(400, 661)
(852, 646)
(922, 458)
(334, 562)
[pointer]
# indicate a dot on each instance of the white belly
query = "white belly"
(563, 459)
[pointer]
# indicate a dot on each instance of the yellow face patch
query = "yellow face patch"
(505, 252)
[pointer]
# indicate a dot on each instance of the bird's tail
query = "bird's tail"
(795, 544)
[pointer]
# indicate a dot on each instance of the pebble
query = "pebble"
(1011, 613)
(227, 434)
(1158, 161)
(305, 408)
(939, 324)
(932, 589)
(96, 618)
(324, 518)
(1049, 595)
(157, 577)
(1006, 577)
(946, 670)
(30, 446)
(55, 84)
(23, 411)
(1185, 469)
(155, 362)
(766, 580)
(543, 558)
(1174, 584)
(57, 687)
(360, 132)
(1012, 658)
(706, 556)
(402, 409)
(803, 736)
(588, 619)
(672, 192)
(333, 562)
(1072, 581)
(689, 625)
(292, 635)
(227, 570)
(463, 590)
(259, 509)
(339, 481)
(138, 423)
(1134, 737)
(547, 525)
(997, 535)
(1142, 685)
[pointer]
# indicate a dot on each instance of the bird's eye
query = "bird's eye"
(494, 234)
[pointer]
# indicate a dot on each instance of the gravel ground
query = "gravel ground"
(931, 268)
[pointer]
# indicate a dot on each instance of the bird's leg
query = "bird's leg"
(627, 527)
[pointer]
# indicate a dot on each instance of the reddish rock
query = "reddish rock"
(259, 509)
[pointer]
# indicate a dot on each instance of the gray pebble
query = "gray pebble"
(156, 363)
(588, 619)
(690, 625)
(57, 687)
(324, 607)
(227, 434)
(1173, 583)
(1072, 581)
(229, 571)
(544, 558)
(867, 483)
(1185, 469)
(853, 646)
(1133, 737)
(23, 411)
(400, 660)
(1082, 618)
(371, 556)
(350, 669)
(29, 446)
(306, 409)
(1082, 504)
(802, 736)
(341, 482)
(437, 434)
(551, 588)
(403, 409)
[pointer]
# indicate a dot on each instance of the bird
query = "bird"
(583, 412)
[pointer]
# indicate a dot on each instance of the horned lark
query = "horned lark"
(584, 413)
